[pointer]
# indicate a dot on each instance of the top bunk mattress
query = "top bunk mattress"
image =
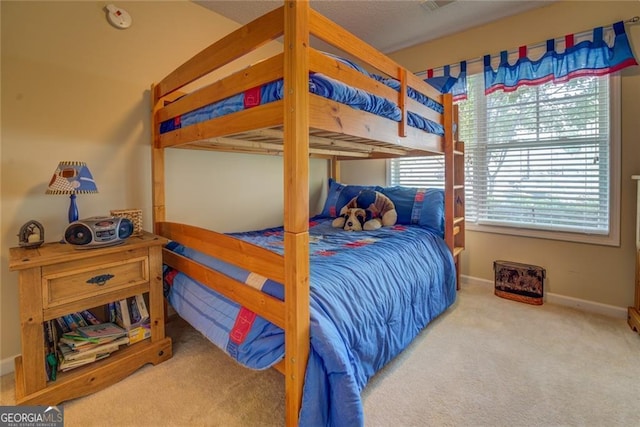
(321, 85)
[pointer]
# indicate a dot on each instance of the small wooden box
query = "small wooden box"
(133, 215)
(519, 282)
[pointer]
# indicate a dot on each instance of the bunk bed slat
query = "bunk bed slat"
(233, 46)
(262, 116)
(253, 76)
(260, 303)
(418, 84)
(330, 32)
(335, 69)
(233, 251)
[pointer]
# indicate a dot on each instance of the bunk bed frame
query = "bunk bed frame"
(300, 126)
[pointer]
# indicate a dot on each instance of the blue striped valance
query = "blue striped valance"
(446, 83)
(587, 58)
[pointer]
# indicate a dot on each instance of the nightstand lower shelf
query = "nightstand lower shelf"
(98, 375)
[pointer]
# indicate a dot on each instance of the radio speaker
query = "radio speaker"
(78, 234)
(125, 229)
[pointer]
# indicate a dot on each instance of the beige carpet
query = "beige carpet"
(486, 362)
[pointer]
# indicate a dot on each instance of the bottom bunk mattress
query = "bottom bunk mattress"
(371, 293)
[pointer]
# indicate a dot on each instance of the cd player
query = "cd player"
(98, 231)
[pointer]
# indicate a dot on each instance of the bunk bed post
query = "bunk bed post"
(296, 202)
(402, 102)
(157, 165)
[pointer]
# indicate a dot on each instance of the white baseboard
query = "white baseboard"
(7, 366)
(581, 304)
(591, 306)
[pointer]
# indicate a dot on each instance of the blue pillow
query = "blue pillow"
(421, 206)
(339, 195)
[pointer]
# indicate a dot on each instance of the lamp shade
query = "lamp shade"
(72, 178)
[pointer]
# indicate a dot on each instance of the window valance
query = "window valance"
(563, 59)
(446, 83)
(587, 58)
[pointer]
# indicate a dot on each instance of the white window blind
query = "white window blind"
(539, 158)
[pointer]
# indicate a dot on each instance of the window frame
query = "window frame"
(613, 236)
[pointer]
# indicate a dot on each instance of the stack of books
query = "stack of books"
(87, 344)
(132, 315)
(77, 339)
(54, 329)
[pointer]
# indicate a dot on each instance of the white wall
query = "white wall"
(75, 88)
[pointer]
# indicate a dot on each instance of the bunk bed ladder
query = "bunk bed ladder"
(454, 184)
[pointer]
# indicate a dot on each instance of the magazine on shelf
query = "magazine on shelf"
(63, 325)
(101, 330)
(66, 365)
(142, 308)
(131, 312)
(80, 342)
(72, 324)
(50, 359)
(67, 353)
(80, 321)
(89, 317)
(139, 333)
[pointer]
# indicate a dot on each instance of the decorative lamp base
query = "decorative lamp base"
(73, 209)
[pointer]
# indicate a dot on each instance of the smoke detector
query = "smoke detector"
(431, 5)
(118, 17)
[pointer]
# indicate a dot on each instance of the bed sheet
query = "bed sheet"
(371, 293)
(321, 85)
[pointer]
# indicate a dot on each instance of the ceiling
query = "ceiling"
(389, 25)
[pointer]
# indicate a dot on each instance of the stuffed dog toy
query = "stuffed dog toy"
(378, 211)
(353, 219)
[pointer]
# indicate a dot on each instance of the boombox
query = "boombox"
(98, 231)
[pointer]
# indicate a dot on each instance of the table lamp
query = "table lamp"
(72, 178)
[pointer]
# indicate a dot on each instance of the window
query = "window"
(541, 161)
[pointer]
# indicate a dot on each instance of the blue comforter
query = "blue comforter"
(321, 85)
(371, 293)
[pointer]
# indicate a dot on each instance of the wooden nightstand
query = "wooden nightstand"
(57, 279)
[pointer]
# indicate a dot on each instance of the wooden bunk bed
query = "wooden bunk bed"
(299, 126)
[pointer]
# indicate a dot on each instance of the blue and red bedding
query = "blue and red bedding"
(371, 293)
(321, 85)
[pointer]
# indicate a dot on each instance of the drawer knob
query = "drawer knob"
(101, 279)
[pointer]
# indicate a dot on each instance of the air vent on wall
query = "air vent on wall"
(431, 5)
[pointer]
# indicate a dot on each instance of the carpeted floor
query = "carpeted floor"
(486, 362)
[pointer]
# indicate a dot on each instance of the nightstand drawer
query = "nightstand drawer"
(76, 280)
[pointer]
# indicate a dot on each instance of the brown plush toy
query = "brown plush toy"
(369, 210)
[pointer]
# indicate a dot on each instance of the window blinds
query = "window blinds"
(539, 157)
(535, 158)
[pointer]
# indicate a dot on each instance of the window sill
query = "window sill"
(612, 239)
